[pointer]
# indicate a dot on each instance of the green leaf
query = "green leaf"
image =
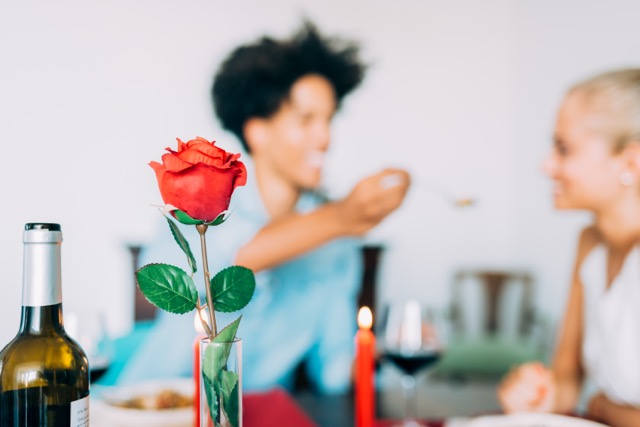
(183, 243)
(228, 333)
(223, 397)
(186, 219)
(217, 377)
(219, 220)
(215, 359)
(212, 399)
(230, 396)
(216, 356)
(167, 287)
(232, 288)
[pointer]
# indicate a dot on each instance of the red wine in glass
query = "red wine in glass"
(413, 339)
(411, 363)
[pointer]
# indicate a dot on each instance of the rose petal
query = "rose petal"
(194, 156)
(200, 191)
(174, 163)
(210, 149)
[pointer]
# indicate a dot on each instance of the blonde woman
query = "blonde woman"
(595, 165)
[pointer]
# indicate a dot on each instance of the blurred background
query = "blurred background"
(462, 93)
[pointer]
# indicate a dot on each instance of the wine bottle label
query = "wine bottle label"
(80, 413)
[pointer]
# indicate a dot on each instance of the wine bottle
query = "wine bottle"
(44, 374)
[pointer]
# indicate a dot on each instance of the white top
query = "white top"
(611, 344)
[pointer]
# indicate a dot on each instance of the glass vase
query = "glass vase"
(221, 383)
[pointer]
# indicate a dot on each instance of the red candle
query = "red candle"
(365, 363)
(196, 379)
(196, 370)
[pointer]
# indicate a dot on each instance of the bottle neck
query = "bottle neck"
(41, 280)
(42, 320)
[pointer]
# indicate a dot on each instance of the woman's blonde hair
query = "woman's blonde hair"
(617, 95)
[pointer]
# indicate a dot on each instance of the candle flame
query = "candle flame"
(365, 318)
(197, 324)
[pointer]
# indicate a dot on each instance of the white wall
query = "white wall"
(462, 93)
(559, 43)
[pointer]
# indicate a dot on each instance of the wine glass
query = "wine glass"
(413, 339)
(88, 328)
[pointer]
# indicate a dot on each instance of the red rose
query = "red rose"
(199, 178)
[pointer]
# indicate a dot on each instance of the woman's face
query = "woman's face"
(298, 134)
(585, 170)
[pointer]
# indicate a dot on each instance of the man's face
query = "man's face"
(298, 134)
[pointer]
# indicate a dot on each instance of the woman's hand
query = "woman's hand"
(528, 388)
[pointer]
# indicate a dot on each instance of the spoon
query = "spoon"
(457, 201)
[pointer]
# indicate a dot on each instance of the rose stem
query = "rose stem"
(205, 325)
(202, 229)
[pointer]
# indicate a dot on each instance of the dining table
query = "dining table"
(442, 402)
(307, 409)
(439, 401)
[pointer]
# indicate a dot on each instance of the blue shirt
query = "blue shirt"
(302, 309)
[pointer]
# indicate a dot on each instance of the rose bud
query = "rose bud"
(199, 178)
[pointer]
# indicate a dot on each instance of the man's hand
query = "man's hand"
(373, 199)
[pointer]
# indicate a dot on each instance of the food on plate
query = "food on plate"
(164, 399)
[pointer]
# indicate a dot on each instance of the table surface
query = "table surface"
(438, 399)
(441, 403)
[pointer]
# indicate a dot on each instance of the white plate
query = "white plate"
(105, 414)
(530, 420)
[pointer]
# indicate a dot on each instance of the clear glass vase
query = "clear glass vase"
(221, 383)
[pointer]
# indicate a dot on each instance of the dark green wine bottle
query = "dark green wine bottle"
(44, 374)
